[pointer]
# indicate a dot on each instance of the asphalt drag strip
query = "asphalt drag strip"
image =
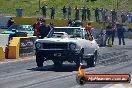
(24, 74)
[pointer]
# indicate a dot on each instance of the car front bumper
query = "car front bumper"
(55, 53)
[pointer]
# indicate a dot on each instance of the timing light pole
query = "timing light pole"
(39, 5)
(117, 4)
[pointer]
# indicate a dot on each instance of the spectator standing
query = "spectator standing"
(76, 13)
(52, 13)
(42, 30)
(36, 26)
(113, 31)
(88, 14)
(64, 12)
(123, 17)
(69, 12)
(129, 18)
(89, 27)
(97, 14)
(44, 10)
(10, 22)
(102, 14)
(70, 23)
(107, 16)
(83, 14)
(120, 32)
(108, 33)
(114, 15)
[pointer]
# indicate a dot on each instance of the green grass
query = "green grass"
(8, 7)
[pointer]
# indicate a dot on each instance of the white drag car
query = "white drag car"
(72, 44)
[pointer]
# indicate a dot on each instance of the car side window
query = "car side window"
(87, 35)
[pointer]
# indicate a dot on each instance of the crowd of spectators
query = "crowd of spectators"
(85, 13)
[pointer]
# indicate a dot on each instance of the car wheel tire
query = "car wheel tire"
(91, 62)
(78, 61)
(57, 62)
(39, 60)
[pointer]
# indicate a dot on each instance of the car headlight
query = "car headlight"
(72, 46)
(38, 45)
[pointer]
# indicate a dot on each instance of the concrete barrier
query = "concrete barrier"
(21, 46)
(21, 20)
(56, 22)
(13, 52)
(2, 54)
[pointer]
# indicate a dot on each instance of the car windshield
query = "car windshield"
(21, 27)
(71, 32)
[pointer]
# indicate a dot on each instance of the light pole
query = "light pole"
(117, 4)
(39, 5)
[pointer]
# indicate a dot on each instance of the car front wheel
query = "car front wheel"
(79, 60)
(39, 60)
(91, 62)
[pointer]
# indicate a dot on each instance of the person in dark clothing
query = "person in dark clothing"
(44, 9)
(36, 26)
(113, 32)
(129, 29)
(42, 30)
(69, 12)
(10, 22)
(52, 13)
(102, 14)
(97, 14)
(83, 14)
(108, 33)
(70, 23)
(88, 14)
(64, 12)
(123, 17)
(76, 13)
(107, 15)
(114, 15)
(120, 32)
